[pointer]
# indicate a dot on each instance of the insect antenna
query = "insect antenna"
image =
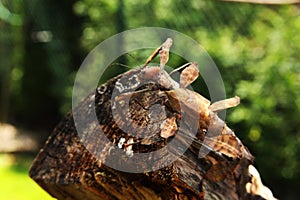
(132, 57)
(120, 64)
(135, 60)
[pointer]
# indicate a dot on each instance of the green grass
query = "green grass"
(15, 183)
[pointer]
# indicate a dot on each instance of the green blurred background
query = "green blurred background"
(256, 48)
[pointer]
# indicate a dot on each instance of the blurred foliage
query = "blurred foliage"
(255, 47)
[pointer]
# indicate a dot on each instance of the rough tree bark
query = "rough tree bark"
(142, 111)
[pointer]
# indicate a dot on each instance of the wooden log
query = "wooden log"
(139, 137)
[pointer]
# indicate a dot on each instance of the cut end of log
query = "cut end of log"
(256, 187)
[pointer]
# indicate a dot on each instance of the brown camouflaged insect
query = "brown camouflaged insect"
(224, 141)
(181, 99)
(179, 91)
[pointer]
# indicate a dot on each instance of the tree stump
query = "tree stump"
(137, 113)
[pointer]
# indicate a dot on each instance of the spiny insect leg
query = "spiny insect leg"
(188, 75)
(164, 53)
(152, 56)
(165, 46)
(224, 104)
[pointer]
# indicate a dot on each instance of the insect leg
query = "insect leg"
(189, 75)
(163, 49)
(224, 104)
(162, 77)
(164, 53)
(152, 56)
